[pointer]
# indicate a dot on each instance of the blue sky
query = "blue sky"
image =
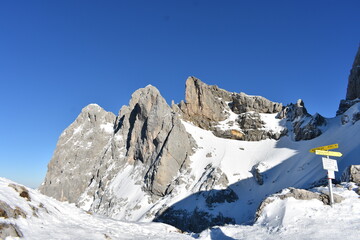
(58, 56)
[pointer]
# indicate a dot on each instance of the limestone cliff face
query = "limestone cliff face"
(79, 150)
(154, 137)
(147, 135)
(353, 89)
(205, 104)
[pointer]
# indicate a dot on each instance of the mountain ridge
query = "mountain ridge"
(193, 161)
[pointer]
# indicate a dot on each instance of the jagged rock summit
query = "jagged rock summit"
(146, 138)
(207, 106)
(353, 88)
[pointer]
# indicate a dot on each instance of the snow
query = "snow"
(282, 163)
(299, 219)
(59, 220)
(108, 127)
(229, 123)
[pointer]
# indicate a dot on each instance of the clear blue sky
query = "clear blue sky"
(58, 56)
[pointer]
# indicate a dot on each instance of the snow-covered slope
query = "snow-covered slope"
(254, 170)
(35, 216)
(300, 219)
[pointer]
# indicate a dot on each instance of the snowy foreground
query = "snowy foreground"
(40, 217)
(301, 219)
(47, 218)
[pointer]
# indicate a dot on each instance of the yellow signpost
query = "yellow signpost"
(328, 153)
(328, 164)
(324, 148)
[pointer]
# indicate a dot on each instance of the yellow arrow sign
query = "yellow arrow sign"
(324, 148)
(328, 153)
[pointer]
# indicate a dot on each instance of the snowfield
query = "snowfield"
(45, 218)
(300, 220)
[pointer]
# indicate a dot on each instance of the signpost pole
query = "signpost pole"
(331, 196)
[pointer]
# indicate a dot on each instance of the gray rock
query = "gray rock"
(243, 103)
(9, 230)
(214, 197)
(23, 192)
(351, 174)
(79, 151)
(212, 177)
(304, 126)
(353, 88)
(91, 152)
(155, 137)
(345, 105)
(204, 103)
(229, 134)
(192, 221)
(294, 111)
(8, 212)
(257, 173)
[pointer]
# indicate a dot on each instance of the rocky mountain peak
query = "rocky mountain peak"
(353, 89)
(204, 103)
(78, 150)
(243, 103)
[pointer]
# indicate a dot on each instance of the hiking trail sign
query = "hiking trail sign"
(325, 148)
(328, 153)
(328, 164)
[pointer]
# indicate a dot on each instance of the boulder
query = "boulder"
(351, 174)
(9, 230)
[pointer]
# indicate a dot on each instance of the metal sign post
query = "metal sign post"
(331, 166)
(328, 164)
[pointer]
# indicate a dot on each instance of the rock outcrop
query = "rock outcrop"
(79, 151)
(304, 126)
(242, 103)
(204, 104)
(147, 137)
(9, 230)
(155, 137)
(353, 88)
(351, 174)
(207, 105)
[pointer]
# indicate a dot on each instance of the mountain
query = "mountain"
(209, 160)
